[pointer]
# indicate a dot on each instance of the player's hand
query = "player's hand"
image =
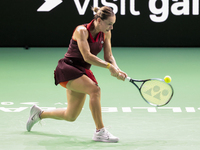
(114, 71)
(122, 75)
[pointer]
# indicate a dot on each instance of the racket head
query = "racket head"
(156, 92)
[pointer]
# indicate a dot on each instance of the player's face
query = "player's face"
(107, 25)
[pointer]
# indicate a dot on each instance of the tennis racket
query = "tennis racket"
(155, 92)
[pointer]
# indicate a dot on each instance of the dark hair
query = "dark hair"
(103, 12)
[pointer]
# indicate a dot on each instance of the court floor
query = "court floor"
(26, 78)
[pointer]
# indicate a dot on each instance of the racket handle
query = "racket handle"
(128, 78)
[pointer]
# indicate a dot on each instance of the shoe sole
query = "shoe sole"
(108, 141)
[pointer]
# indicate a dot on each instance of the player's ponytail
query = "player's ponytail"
(103, 12)
(95, 9)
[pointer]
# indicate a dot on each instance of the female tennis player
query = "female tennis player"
(73, 73)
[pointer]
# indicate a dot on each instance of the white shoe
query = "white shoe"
(104, 136)
(34, 117)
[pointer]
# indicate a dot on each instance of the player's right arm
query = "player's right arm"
(81, 35)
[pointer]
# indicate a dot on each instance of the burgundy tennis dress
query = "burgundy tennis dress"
(73, 66)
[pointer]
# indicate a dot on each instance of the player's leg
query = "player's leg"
(75, 102)
(77, 90)
(101, 134)
(75, 105)
(87, 86)
(76, 93)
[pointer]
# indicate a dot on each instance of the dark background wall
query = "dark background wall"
(164, 23)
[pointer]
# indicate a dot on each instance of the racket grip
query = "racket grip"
(128, 78)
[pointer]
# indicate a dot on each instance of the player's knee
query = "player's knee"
(70, 119)
(95, 92)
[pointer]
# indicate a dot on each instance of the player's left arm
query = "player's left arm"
(108, 56)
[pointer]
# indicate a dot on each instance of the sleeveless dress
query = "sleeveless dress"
(73, 66)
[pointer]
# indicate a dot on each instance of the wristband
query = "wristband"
(108, 66)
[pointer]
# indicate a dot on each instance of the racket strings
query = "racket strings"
(156, 92)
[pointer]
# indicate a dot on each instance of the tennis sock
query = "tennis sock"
(99, 129)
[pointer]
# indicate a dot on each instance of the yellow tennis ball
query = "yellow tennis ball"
(167, 79)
